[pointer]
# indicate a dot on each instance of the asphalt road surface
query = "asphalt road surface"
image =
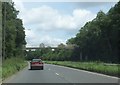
(59, 74)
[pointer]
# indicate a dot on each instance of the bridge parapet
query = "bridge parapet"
(28, 48)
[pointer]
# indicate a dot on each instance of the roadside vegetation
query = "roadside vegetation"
(11, 66)
(0, 73)
(99, 67)
(13, 41)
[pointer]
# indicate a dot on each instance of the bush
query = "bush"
(12, 65)
(90, 66)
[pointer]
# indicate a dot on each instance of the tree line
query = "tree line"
(13, 34)
(97, 40)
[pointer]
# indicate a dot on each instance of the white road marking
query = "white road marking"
(88, 72)
(49, 69)
(56, 73)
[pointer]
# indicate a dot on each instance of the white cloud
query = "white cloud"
(81, 16)
(49, 19)
(19, 6)
(35, 39)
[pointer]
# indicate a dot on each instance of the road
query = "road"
(59, 74)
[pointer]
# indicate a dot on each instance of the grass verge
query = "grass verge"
(0, 73)
(98, 67)
(11, 66)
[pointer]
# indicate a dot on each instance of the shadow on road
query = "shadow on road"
(35, 69)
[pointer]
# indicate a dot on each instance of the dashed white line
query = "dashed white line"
(56, 73)
(88, 72)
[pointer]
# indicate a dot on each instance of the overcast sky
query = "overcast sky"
(53, 23)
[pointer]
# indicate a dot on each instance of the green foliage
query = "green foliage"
(99, 38)
(13, 40)
(48, 54)
(90, 66)
(12, 65)
(33, 54)
(14, 31)
(0, 72)
(70, 41)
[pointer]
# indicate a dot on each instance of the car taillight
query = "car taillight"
(37, 63)
(40, 63)
(33, 62)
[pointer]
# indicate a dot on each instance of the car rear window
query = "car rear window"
(36, 60)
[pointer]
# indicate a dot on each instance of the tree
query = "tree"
(99, 38)
(61, 45)
(70, 41)
(42, 45)
(14, 34)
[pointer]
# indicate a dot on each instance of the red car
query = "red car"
(36, 64)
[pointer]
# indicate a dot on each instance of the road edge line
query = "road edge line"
(86, 71)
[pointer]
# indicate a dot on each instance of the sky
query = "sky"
(53, 23)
